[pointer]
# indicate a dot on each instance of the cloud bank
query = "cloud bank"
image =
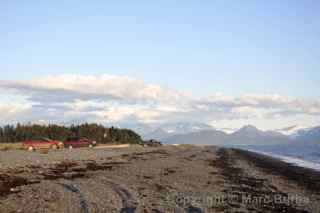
(118, 99)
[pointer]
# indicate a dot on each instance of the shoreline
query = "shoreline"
(299, 162)
(307, 177)
(164, 179)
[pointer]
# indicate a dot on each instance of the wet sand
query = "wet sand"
(165, 179)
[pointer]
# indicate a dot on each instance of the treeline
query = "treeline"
(99, 133)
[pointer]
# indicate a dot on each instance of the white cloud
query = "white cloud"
(107, 98)
(10, 113)
(69, 87)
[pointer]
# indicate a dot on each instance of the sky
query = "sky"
(225, 63)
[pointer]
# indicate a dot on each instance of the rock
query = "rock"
(152, 143)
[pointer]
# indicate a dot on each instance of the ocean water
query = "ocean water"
(304, 155)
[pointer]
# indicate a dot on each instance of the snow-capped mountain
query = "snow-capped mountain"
(204, 137)
(169, 129)
(157, 134)
(139, 128)
(183, 128)
(247, 135)
(226, 130)
(251, 135)
(247, 131)
(292, 131)
(252, 131)
(309, 135)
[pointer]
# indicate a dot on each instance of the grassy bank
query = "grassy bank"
(10, 146)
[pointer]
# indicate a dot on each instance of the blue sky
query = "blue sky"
(198, 47)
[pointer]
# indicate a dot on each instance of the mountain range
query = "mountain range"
(292, 131)
(308, 135)
(172, 129)
(198, 133)
(247, 135)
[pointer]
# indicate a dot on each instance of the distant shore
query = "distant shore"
(165, 179)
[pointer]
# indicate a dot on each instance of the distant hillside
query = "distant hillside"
(245, 136)
(205, 137)
(250, 135)
(166, 130)
(292, 131)
(308, 135)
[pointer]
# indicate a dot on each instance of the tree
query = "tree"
(96, 132)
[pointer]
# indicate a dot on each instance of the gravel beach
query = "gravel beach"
(164, 179)
(18, 158)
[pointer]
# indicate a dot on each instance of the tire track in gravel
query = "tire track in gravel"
(72, 188)
(129, 203)
(126, 198)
